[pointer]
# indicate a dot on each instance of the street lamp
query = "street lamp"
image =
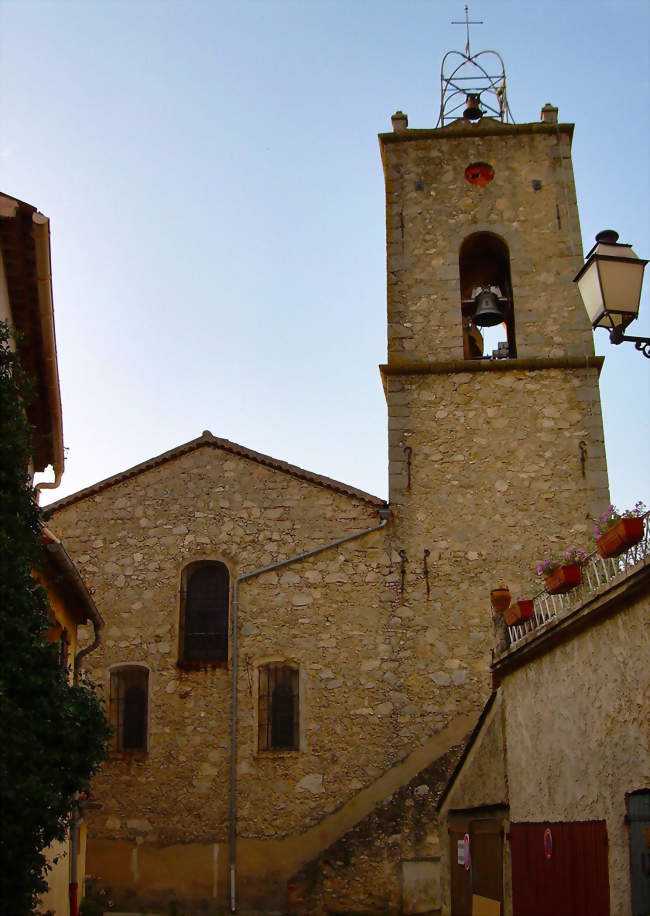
(610, 285)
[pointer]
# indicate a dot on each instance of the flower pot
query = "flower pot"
(512, 614)
(500, 599)
(526, 608)
(563, 579)
(620, 537)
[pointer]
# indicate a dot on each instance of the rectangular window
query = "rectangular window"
(278, 709)
(128, 709)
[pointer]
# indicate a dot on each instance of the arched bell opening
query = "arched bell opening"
(487, 311)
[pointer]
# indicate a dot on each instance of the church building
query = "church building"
(288, 661)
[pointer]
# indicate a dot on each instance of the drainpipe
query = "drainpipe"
(73, 887)
(384, 514)
(97, 638)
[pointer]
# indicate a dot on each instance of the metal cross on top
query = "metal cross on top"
(467, 24)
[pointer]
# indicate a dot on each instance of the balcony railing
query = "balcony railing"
(595, 573)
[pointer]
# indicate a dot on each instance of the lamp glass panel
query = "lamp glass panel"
(589, 287)
(621, 282)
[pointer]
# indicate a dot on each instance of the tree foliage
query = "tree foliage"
(52, 733)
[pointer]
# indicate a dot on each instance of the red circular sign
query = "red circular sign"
(466, 851)
(548, 843)
(479, 173)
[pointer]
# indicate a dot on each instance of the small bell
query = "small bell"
(488, 312)
(473, 112)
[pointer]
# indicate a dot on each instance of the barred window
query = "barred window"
(205, 599)
(128, 708)
(278, 708)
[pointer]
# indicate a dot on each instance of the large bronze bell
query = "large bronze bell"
(488, 312)
(473, 112)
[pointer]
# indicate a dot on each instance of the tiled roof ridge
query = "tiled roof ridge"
(208, 439)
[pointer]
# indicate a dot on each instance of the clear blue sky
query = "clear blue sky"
(212, 176)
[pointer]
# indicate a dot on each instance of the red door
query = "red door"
(560, 869)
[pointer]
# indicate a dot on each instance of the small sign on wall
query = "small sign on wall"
(548, 843)
(466, 851)
(461, 852)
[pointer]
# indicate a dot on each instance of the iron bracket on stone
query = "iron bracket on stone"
(405, 560)
(408, 451)
(583, 456)
(427, 553)
(248, 660)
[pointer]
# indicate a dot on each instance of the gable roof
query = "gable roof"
(210, 441)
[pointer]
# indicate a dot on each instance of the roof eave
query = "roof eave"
(72, 581)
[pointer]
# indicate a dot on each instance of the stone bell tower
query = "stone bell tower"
(495, 443)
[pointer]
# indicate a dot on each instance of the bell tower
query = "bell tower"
(495, 431)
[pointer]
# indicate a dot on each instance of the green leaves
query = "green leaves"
(52, 734)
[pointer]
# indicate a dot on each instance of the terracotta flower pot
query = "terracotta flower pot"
(500, 599)
(512, 615)
(563, 579)
(526, 608)
(620, 537)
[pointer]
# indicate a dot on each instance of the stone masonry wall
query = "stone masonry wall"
(391, 632)
(431, 208)
(507, 449)
(361, 872)
(496, 481)
(378, 673)
(375, 681)
(131, 541)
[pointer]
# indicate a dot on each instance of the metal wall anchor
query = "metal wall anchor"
(408, 451)
(583, 456)
(425, 564)
(405, 560)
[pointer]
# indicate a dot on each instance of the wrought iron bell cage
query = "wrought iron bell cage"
(471, 82)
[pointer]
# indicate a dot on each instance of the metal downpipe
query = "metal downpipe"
(385, 514)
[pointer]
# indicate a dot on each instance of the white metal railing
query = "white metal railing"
(595, 573)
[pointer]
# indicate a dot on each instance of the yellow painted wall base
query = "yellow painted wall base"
(200, 871)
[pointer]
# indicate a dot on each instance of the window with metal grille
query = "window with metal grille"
(128, 708)
(278, 709)
(205, 600)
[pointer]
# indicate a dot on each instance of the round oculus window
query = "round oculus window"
(479, 173)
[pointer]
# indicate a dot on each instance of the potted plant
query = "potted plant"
(512, 614)
(562, 571)
(500, 597)
(616, 532)
(526, 608)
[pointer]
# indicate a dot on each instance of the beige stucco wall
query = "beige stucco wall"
(57, 897)
(65, 615)
(578, 736)
(480, 782)
(482, 779)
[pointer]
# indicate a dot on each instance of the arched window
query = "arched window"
(129, 708)
(278, 708)
(488, 320)
(205, 600)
